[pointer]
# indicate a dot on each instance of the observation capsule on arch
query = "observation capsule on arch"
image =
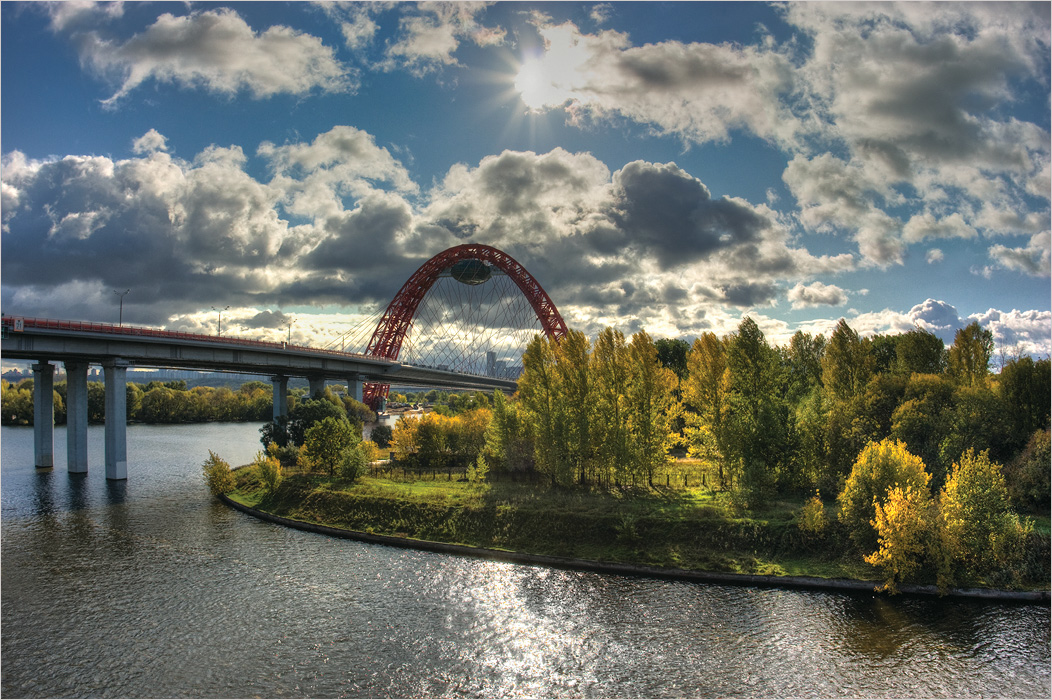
(472, 271)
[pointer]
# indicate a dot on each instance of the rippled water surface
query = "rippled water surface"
(150, 588)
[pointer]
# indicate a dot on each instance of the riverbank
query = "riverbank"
(672, 534)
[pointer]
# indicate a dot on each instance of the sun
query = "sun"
(533, 86)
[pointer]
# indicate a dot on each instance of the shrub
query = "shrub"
(353, 463)
(269, 469)
(812, 518)
(371, 451)
(287, 456)
(381, 435)
(218, 476)
(478, 470)
(879, 468)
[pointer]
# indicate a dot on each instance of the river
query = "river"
(151, 588)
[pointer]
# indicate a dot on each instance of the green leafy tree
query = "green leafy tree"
(381, 435)
(1027, 476)
(672, 353)
(847, 364)
(509, 445)
(354, 463)
(326, 441)
(982, 537)
(540, 396)
(1025, 387)
(803, 361)
(922, 420)
(575, 408)
(269, 469)
(880, 467)
(310, 412)
(919, 352)
(969, 357)
(757, 418)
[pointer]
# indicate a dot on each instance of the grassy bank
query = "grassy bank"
(690, 528)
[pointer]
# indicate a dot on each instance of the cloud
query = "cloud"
(77, 13)
(149, 142)
(935, 255)
(816, 294)
(432, 33)
(698, 92)
(1019, 332)
(218, 51)
(1033, 260)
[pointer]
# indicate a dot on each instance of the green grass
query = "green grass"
(688, 528)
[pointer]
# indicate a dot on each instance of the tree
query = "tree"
(922, 420)
(381, 435)
(539, 394)
(574, 408)
(509, 445)
(880, 467)
(705, 394)
(1024, 386)
(757, 418)
(903, 523)
(325, 442)
(218, 476)
(610, 381)
(919, 352)
(404, 438)
(269, 469)
(969, 357)
(981, 535)
(803, 361)
(307, 413)
(651, 406)
(847, 364)
(1027, 476)
(672, 354)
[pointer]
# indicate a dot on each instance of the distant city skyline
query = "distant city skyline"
(667, 166)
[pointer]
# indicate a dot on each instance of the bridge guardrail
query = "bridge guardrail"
(11, 325)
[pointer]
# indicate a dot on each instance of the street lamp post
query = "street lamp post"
(120, 312)
(221, 316)
(291, 321)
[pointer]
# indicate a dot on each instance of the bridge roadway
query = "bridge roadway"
(78, 344)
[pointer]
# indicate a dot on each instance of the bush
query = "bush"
(354, 463)
(269, 469)
(381, 435)
(287, 456)
(218, 476)
(879, 468)
(478, 470)
(812, 518)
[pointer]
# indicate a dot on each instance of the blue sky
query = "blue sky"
(668, 166)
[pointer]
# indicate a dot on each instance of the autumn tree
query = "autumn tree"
(610, 374)
(880, 467)
(651, 406)
(705, 394)
(539, 393)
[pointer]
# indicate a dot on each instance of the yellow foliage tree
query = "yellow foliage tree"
(903, 524)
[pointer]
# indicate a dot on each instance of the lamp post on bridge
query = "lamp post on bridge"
(221, 316)
(120, 312)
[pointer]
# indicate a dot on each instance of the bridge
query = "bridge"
(368, 375)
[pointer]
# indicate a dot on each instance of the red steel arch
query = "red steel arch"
(391, 330)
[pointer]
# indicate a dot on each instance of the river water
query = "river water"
(151, 588)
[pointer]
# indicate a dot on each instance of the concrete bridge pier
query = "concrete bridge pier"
(354, 386)
(44, 414)
(317, 386)
(76, 417)
(281, 396)
(115, 371)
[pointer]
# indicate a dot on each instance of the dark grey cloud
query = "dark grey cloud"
(665, 212)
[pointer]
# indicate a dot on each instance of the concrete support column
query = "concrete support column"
(281, 396)
(77, 417)
(115, 371)
(317, 386)
(44, 414)
(354, 387)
